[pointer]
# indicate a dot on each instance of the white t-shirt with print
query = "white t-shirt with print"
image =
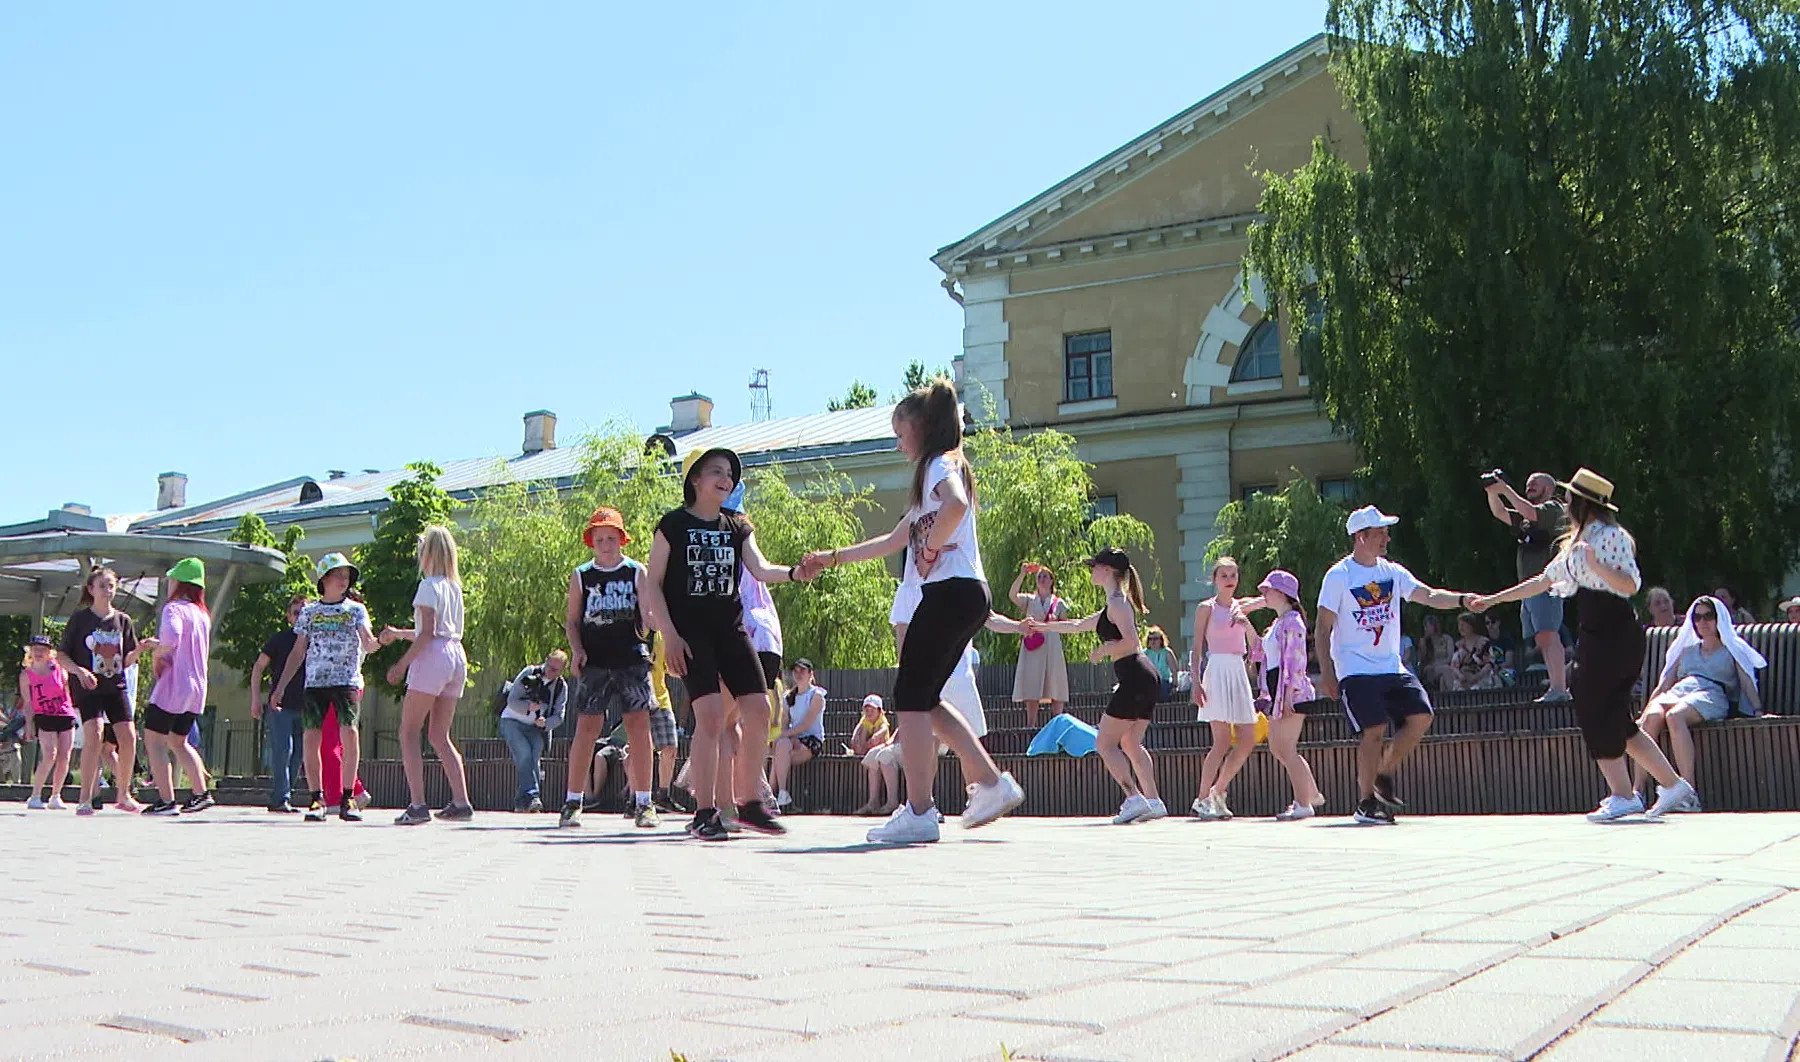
(334, 651)
(960, 557)
(1366, 599)
(445, 599)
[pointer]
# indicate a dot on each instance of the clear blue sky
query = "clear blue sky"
(254, 241)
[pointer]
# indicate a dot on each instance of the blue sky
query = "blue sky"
(254, 241)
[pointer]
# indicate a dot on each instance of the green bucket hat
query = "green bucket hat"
(189, 570)
(330, 562)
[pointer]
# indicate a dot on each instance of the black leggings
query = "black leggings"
(950, 614)
(1609, 655)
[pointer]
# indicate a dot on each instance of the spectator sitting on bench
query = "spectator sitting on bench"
(1661, 604)
(873, 740)
(1790, 609)
(1472, 666)
(1708, 667)
(1435, 648)
(1734, 605)
(803, 737)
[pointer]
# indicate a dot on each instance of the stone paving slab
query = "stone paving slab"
(236, 936)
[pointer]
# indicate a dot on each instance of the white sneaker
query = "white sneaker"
(989, 802)
(1132, 810)
(904, 827)
(1690, 806)
(1617, 808)
(56, 803)
(36, 803)
(1219, 807)
(783, 799)
(1671, 798)
(1154, 809)
(1295, 812)
(1202, 808)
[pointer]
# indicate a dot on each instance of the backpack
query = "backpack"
(498, 701)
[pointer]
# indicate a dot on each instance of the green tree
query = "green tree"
(860, 396)
(1294, 529)
(1574, 244)
(388, 567)
(916, 376)
(528, 537)
(840, 619)
(260, 609)
(1034, 502)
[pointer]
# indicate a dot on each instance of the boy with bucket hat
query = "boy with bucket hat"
(333, 635)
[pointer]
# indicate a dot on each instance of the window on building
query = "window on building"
(1087, 366)
(1338, 489)
(1251, 490)
(1260, 356)
(1104, 505)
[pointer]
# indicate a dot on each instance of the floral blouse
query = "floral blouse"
(1288, 635)
(1612, 546)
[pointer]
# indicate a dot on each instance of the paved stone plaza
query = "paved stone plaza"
(235, 936)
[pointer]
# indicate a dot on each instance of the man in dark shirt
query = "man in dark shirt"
(1537, 519)
(283, 726)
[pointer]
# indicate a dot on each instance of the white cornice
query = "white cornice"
(1088, 248)
(997, 239)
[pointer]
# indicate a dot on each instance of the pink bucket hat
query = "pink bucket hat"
(1283, 581)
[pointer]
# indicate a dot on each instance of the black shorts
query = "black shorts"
(721, 661)
(1139, 688)
(1382, 700)
(110, 703)
(951, 612)
(813, 744)
(771, 665)
(107, 737)
(53, 724)
(157, 721)
(320, 700)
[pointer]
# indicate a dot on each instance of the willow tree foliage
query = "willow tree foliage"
(1294, 529)
(1575, 243)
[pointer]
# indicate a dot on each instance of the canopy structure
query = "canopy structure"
(43, 568)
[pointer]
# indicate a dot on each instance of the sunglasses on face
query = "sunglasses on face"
(1705, 617)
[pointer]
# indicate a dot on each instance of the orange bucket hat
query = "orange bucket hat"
(604, 517)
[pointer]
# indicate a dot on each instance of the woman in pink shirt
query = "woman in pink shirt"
(184, 638)
(44, 691)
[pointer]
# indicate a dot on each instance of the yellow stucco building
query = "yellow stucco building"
(1114, 307)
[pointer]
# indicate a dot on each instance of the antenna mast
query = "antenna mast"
(760, 407)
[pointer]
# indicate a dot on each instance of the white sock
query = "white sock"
(643, 798)
(574, 798)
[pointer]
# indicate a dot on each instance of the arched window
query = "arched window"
(1260, 356)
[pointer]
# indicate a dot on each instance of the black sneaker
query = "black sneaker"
(349, 812)
(97, 804)
(283, 808)
(198, 802)
(756, 817)
(536, 807)
(709, 829)
(163, 807)
(1384, 791)
(457, 813)
(315, 812)
(414, 815)
(680, 801)
(661, 801)
(571, 814)
(1371, 812)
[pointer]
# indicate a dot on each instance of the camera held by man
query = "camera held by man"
(1537, 519)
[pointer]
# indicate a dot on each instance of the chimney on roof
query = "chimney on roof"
(689, 413)
(334, 473)
(540, 431)
(171, 491)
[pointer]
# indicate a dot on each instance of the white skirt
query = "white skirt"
(1227, 686)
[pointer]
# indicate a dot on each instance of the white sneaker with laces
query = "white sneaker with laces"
(1670, 798)
(783, 799)
(36, 803)
(989, 802)
(1203, 809)
(1219, 807)
(1295, 812)
(1613, 808)
(1133, 809)
(56, 803)
(1154, 809)
(904, 827)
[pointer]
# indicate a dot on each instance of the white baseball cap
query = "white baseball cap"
(1366, 517)
(872, 699)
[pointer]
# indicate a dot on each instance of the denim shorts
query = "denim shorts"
(1541, 613)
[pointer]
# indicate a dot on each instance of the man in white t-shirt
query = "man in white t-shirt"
(1359, 657)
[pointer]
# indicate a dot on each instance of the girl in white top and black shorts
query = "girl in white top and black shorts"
(1597, 566)
(938, 534)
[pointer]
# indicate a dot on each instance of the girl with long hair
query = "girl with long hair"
(50, 718)
(435, 671)
(1133, 703)
(1222, 690)
(1596, 564)
(938, 535)
(100, 650)
(1043, 674)
(184, 641)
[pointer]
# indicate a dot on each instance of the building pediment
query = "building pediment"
(1070, 220)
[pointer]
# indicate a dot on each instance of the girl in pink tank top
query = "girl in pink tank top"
(44, 692)
(1222, 689)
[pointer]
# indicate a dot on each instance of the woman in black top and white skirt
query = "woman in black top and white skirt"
(1596, 564)
(1133, 703)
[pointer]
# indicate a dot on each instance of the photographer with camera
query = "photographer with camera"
(535, 703)
(1536, 518)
